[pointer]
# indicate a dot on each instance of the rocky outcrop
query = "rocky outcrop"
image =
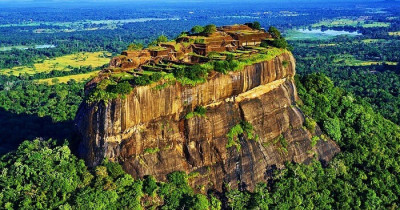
(148, 134)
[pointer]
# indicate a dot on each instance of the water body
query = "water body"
(43, 46)
(300, 34)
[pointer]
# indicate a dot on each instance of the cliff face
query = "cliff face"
(148, 134)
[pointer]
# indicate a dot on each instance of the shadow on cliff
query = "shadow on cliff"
(16, 128)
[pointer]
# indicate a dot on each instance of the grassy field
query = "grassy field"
(397, 33)
(63, 63)
(369, 41)
(65, 79)
(350, 60)
(350, 22)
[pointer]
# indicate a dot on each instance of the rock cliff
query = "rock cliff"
(148, 134)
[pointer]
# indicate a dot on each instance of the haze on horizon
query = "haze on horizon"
(177, 1)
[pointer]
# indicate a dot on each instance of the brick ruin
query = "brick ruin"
(192, 49)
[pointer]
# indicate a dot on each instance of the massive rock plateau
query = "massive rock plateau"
(148, 134)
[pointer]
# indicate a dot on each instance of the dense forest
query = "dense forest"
(379, 84)
(41, 174)
(349, 86)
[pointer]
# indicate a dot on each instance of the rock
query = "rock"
(148, 134)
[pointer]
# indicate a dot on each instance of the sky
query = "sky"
(67, 1)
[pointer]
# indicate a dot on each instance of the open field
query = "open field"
(369, 41)
(350, 60)
(63, 63)
(350, 22)
(396, 33)
(65, 79)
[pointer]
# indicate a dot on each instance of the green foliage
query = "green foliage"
(314, 141)
(122, 88)
(356, 177)
(209, 29)
(150, 185)
(332, 128)
(351, 66)
(182, 34)
(197, 29)
(162, 38)
(285, 63)
(42, 175)
(281, 43)
(199, 41)
(135, 46)
(196, 73)
(233, 137)
(107, 90)
(275, 33)
(215, 204)
(60, 101)
(256, 25)
(237, 131)
(226, 65)
(261, 198)
(199, 111)
(237, 199)
(283, 142)
(310, 124)
(151, 150)
(198, 202)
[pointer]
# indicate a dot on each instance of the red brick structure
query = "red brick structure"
(193, 48)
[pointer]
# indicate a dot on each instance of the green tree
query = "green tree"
(332, 128)
(135, 46)
(256, 25)
(162, 38)
(197, 29)
(209, 29)
(275, 33)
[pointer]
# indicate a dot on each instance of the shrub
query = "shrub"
(314, 141)
(254, 25)
(197, 29)
(122, 88)
(233, 137)
(196, 72)
(156, 76)
(134, 46)
(281, 43)
(162, 38)
(239, 129)
(179, 72)
(310, 124)
(142, 80)
(199, 111)
(209, 29)
(275, 33)
(221, 66)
